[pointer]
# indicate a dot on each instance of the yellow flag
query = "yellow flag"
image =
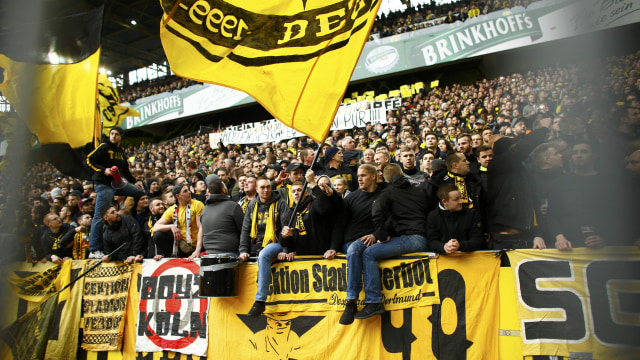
(109, 102)
(52, 81)
(61, 113)
(294, 57)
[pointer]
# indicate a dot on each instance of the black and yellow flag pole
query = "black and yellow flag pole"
(291, 222)
(92, 267)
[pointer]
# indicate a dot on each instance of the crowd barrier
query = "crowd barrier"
(582, 304)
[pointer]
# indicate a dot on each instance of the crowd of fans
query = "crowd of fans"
(425, 16)
(398, 22)
(152, 87)
(545, 158)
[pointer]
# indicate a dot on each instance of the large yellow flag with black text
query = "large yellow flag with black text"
(49, 56)
(295, 57)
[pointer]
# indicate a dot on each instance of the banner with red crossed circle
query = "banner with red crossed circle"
(171, 315)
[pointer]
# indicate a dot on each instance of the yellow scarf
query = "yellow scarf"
(80, 245)
(290, 202)
(244, 204)
(299, 223)
(270, 231)
(462, 186)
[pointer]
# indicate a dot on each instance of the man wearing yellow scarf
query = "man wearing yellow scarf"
(260, 236)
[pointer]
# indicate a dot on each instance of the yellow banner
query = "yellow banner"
(27, 337)
(13, 306)
(63, 338)
(37, 287)
(104, 302)
(510, 342)
(308, 284)
(294, 57)
(582, 304)
(463, 325)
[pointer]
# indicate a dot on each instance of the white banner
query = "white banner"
(349, 116)
(171, 315)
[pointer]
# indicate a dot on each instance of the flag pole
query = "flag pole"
(92, 267)
(304, 187)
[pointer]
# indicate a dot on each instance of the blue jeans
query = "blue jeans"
(354, 250)
(395, 246)
(363, 260)
(104, 196)
(265, 258)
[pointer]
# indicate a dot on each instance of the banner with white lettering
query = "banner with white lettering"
(171, 314)
(349, 116)
(582, 304)
(190, 101)
(517, 27)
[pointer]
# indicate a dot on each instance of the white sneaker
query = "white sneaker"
(96, 255)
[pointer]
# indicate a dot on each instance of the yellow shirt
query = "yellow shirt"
(196, 211)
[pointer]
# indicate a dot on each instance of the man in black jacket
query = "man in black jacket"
(51, 239)
(511, 218)
(458, 173)
(580, 212)
(118, 231)
(546, 176)
(310, 234)
(101, 160)
(452, 227)
(397, 203)
(353, 233)
(408, 160)
(335, 166)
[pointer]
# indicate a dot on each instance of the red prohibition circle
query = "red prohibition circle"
(185, 341)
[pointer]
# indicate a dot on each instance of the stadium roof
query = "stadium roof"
(131, 35)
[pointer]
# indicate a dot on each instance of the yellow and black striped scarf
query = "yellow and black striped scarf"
(299, 223)
(270, 232)
(462, 186)
(80, 245)
(56, 241)
(244, 204)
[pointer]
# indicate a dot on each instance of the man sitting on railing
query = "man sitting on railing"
(260, 228)
(398, 203)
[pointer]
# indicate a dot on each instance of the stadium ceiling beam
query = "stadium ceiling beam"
(140, 28)
(131, 54)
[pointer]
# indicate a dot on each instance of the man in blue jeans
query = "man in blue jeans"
(399, 202)
(101, 160)
(353, 232)
(261, 228)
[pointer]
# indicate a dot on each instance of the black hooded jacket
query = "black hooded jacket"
(511, 198)
(404, 204)
(105, 156)
(319, 212)
(116, 234)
